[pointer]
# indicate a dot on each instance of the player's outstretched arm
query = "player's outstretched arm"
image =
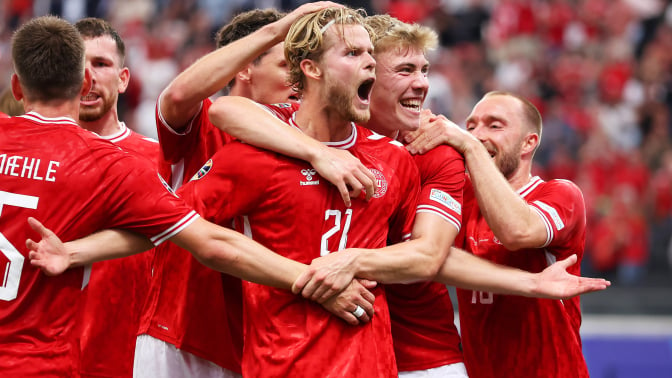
(464, 270)
(247, 121)
(216, 247)
(53, 256)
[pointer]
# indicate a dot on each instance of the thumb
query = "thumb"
(39, 227)
(571, 260)
(367, 283)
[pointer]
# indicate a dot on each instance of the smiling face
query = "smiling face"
(400, 90)
(347, 68)
(108, 78)
(268, 78)
(498, 122)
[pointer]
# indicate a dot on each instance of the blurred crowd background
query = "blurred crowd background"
(600, 72)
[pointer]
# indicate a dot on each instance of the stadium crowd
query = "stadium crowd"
(598, 70)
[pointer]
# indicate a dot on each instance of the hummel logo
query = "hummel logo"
(309, 174)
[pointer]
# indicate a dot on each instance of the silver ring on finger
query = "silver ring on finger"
(359, 311)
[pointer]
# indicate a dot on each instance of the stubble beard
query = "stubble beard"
(508, 162)
(91, 114)
(341, 99)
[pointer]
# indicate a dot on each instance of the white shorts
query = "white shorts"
(446, 371)
(156, 358)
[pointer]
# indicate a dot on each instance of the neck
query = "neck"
(54, 109)
(104, 126)
(376, 127)
(522, 175)
(320, 122)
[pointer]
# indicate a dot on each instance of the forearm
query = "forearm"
(231, 114)
(398, 263)
(466, 271)
(181, 99)
(105, 245)
(508, 215)
(230, 252)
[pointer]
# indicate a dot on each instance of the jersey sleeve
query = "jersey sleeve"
(402, 222)
(224, 188)
(442, 177)
(199, 137)
(138, 199)
(561, 206)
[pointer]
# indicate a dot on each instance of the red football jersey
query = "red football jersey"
(184, 153)
(76, 184)
(193, 307)
(290, 209)
(423, 326)
(117, 291)
(514, 336)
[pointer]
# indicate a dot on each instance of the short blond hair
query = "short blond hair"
(391, 33)
(305, 39)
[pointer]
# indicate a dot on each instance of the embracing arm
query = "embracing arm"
(416, 260)
(233, 114)
(511, 219)
(217, 247)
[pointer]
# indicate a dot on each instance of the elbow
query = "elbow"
(216, 257)
(175, 96)
(430, 266)
(512, 240)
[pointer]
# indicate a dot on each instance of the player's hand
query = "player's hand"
(287, 21)
(434, 131)
(326, 276)
(346, 172)
(556, 283)
(345, 303)
(50, 253)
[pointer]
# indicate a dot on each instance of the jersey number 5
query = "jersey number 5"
(11, 275)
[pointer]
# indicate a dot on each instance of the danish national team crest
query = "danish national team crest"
(310, 176)
(203, 171)
(381, 183)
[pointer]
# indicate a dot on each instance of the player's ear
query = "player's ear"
(17, 91)
(530, 143)
(310, 68)
(124, 79)
(245, 74)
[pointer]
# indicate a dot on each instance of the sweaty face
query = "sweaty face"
(497, 123)
(108, 78)
(268, 78)
(400, 90)
(348, 70)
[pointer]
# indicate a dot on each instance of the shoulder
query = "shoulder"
(561, 187)
(283, 111)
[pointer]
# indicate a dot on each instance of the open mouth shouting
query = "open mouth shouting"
(364, 90)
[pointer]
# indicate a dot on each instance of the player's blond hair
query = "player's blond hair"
(390, 33)
(305, 39)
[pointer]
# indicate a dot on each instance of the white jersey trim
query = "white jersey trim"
(165, 124)
(176, 228)
(39, 118)
(524, 192)
(441, 213)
